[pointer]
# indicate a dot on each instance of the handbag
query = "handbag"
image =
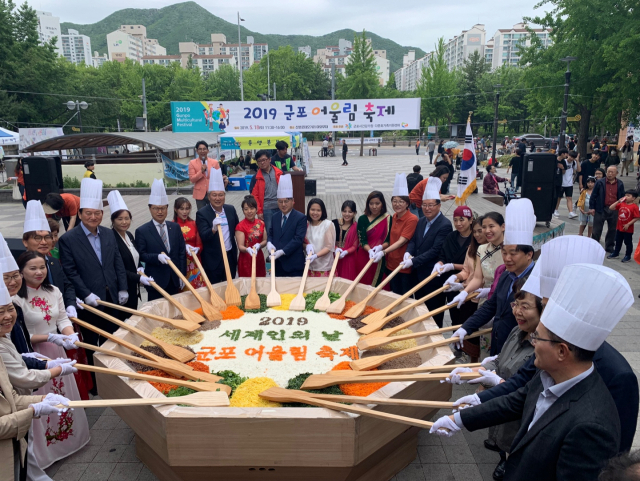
(16, 195)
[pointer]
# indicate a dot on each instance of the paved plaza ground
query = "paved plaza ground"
(110, 454)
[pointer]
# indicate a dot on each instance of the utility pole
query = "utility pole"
(240, 58)
(333, 81)
(274, 91)
(268, 79)
(563, 120)
(144, 106)
(495, 123)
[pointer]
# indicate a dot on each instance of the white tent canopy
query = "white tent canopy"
(7, 137)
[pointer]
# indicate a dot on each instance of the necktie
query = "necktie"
(49, 276)
(163, 235)
(284, 221)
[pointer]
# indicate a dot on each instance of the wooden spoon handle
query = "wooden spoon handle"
(185, 281)
(357, 279)
(223, 248)
(331, 274)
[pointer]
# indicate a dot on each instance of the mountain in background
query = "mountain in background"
(188, 21)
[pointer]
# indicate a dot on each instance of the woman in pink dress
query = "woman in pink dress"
(347, 241)
(374, 228)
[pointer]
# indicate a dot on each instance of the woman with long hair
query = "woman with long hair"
(346, 240)
(403, 226)
(374, 229)
(627, 157)
(181, 215)
(251, 237)
(321, 239)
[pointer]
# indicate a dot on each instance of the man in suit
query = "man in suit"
(424, 247)
(213, 216)
(159, 241)
(199, 173)
(570, 426)
(287, 232)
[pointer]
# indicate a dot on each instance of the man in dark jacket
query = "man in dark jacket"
(606, 192)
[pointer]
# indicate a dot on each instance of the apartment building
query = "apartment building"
(508, 42)
(409, 75)
(97, 60)
(130, 41)
(338, 55)
(76, 48)
(49, 27)
(460, 47)
(306, 50)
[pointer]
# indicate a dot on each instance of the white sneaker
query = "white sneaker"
(572, 215)
(556, 213)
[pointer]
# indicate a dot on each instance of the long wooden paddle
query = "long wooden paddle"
(377, 316)
(298, 303)
(381, 400)
(370, 342)
(324, 302)
(179, 370)
(415, 320)
(252, 301)
(180, 354)
(215, 300)
(337, 306)
(197, 386)
(187, 313)
(408, 370)
(273, 299)
(378, 325)
(199, 399)
(281, 395)
(375, 361)
(231, 293)
(210, 312)
(319, 381)
(359, 308)
(177, 323)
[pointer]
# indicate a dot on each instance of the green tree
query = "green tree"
(473, 69)
(223, 84)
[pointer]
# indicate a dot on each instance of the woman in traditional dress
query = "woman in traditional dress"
(374, 229)
(321, 239)
(346, 240)
(251, 237)
(181, 212)
(55, 436)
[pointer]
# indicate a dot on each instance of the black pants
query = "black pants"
(219, 274)
(344, 157)
(611, 218)
(417, 150)
(324, 151)
(202, 202)
(627, 238)
(171, 289)
(401, 283)
(431, 156)
(295, 273)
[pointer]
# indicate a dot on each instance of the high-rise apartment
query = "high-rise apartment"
(76, 48)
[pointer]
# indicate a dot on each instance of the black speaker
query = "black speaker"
(310, 187)
(538, 183)
(42, 175)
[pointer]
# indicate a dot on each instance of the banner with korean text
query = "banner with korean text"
(299, 115)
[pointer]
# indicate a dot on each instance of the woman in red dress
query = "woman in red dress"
(181, 211)
(251, 237)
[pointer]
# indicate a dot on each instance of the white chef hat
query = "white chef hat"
(285, 187)
(563, 251)
(5, 298)
(586, 321)
(216, 183)
(91, 194)
(7, 261)
(532, 284)
(158, 193)
(34, 218)
(116, 202)
(400, 186)
(519, 223)
(432, 191)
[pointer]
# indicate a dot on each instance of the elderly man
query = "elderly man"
(287, 233)
(160, 241)
(264, 187)
(569, 427)
(217, 215)
(199, 173)
(606, 192)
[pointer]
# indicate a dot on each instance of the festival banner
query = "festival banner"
(467, 175)
(298, 115)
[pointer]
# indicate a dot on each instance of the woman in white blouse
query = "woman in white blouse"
(321, 239)
(55, 436)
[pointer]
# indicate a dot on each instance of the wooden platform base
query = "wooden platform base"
(380, 466)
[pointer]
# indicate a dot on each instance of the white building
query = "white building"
(460, 47)
(507, 43)
(130, 41)
(164, 60)
(98, 60)
(76, 48)
(410, 74)
(488, 52)
(338, 55)
(251, 52)
(259, 49)
(49, 27)
(306, 50)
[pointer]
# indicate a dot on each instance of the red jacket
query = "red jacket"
(258, 188)
(490, 184)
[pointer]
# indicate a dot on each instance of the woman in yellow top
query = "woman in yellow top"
(90, 165)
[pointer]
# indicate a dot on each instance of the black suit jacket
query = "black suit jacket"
(149, 245)
(133, 278)
(289, 240)
(212, 261)
(425, 249)
(84, 270)
(61, 282)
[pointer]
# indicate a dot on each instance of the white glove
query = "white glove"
(271, 247)
(79, 303)
(454, 377)
(45, 408)
(163, 258)
(487, 360)
(279, 253)
(140, 271)
(488, 377)
(460, 333)
(312, 257)
(257, 247)
(376, 249)
(67, 368)
(470, 400)
(192, 251)
(406, 256)
(343, 253)
(57, 362)
(250, 251)
(436, 268)
(70, 342)
(71, 311)
(377, 257)
(146, 281)
(451, 280)
(180, 284)
(123, 297)
(407, 262)
(460, 298)
(216, 222)
(455, 287)
(92, 300)
(309, 249)
(446, 268)
(444, 427)
(35, 355)
(483, 292)
(57, 339)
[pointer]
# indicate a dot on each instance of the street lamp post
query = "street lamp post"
(71, 105)
(495, 124)
(240, 58)
(563, 120)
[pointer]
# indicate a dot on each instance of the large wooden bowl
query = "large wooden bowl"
(183, 443)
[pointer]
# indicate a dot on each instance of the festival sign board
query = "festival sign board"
(296, 115)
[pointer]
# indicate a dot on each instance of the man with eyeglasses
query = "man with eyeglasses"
(160, 241)
(199, 173)
(264, 187)
(569, 422)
